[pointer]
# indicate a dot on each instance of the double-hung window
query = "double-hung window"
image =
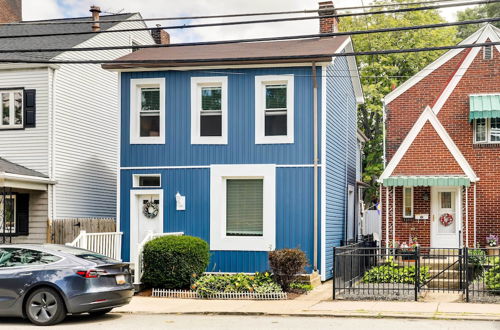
(209, 110)
(243, 207)
(274, 109)
(8, 217)
(11, 109)
(407, 202)
(147, 121)
(487, 130)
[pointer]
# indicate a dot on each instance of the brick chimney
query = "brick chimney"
(95, 10)
(11, 11)
(327, 24)
(160, 36)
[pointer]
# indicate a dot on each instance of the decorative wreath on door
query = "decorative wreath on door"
(151, 210)
(446, 219)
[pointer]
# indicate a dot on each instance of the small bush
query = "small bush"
(390, 272)
(492, 279)
(286, 264)
(210, 284)
(476, 257)
(170, 261)
(299, 287)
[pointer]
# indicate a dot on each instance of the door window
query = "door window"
(447, 209)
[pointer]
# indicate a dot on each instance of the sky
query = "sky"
(46, 9)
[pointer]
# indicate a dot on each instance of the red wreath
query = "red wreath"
(446, 219)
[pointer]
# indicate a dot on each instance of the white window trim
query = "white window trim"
(135, 86)
(136, 180)
(491, 52)
(260, 99)
(14, 229)
(488, 133)
(12, 112)
(218, 176)
(196, 84)
(404, 203)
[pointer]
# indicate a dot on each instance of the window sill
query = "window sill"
(243, 243)
(149, 140)
(486, 145)
(217, 140)
(274, 140)
(11, 128)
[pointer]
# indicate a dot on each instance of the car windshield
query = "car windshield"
(82, 254)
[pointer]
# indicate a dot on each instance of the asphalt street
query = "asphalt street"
(141, 321)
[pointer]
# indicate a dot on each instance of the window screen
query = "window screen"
(276, 110)
(150, 112)
(480, 130)
(244, 207)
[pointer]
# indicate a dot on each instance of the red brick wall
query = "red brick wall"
(481, 77)
(10, 11)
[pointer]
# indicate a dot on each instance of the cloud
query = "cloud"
(41, 9)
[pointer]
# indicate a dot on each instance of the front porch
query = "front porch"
(434, 211)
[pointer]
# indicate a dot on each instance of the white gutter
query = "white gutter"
(25, 178)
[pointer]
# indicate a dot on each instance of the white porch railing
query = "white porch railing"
(108, 244)
(139, 265)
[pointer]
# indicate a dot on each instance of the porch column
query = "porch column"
(386, 217)
(475, 213)
(393, 216)
(466, 216)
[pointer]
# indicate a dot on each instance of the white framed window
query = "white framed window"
(209, 110)
(10, 214)
(11, 106)
(487, 130)
(487, 52)
(407, 202)
(274, 113)
(147, 111)
(146, 181)
(243, 207)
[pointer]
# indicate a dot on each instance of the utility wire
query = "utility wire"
(305, 11)
(301, 57)
(275, 20)
(220, 42)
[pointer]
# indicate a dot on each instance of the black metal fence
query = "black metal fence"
(362, 272)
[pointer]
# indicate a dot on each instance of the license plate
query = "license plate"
(120, 279)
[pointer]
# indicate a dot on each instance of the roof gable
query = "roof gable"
(480, 36)
(428, 115)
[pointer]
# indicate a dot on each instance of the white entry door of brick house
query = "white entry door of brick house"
(445, 202)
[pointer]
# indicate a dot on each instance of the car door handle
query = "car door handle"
(25, 274)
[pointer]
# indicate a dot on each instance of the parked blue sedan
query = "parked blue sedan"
(44, 283)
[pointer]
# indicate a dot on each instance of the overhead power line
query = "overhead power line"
(305, 11)
(166, 62)
(295, 37)
(275, 20)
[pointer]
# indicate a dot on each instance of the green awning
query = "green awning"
(484, 106)
(426, 181)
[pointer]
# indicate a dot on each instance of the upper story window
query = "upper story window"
(274, 114)
(147, 112)
(488, 52)
(12, 109)
(209, 110)
(487, 130)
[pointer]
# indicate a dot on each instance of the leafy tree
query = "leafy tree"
(483, 11)
(381, 73)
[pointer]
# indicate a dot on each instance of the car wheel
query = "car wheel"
(101, 312)
(45, 307)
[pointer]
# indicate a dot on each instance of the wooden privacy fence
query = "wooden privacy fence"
(64, 231)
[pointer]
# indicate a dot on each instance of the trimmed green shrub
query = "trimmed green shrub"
(390, 272)
(299, 287)
(286, 264)
(209, 284)
(170, 261)
(476, 257)
(492, 279)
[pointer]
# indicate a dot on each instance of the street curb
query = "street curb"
(433, 316)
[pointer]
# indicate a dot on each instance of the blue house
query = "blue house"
(249, 146)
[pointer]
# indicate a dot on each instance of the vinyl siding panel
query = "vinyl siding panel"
(28, 147)
(341, 121)
(294, 213)
(86, 128)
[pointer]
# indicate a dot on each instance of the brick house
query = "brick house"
(442, 144)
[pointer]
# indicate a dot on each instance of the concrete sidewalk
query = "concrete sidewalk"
(317, 303)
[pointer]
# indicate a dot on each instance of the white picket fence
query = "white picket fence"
(108, 244)
(139, 265)
(183, 294)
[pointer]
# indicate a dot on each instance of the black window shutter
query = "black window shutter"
(22, 214)
(29, 107)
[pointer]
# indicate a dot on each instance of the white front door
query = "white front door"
(146, 215)
(446, 207)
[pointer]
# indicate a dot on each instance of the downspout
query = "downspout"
(475, 215)
(315, 162)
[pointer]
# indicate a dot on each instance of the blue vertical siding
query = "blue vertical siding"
(341, 123)
(294, 213)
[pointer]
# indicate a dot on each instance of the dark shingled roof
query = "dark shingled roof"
(13, 168)
(319, 49)
(66, 41)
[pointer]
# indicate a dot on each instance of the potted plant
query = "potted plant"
(407, 251)
(492, 245)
